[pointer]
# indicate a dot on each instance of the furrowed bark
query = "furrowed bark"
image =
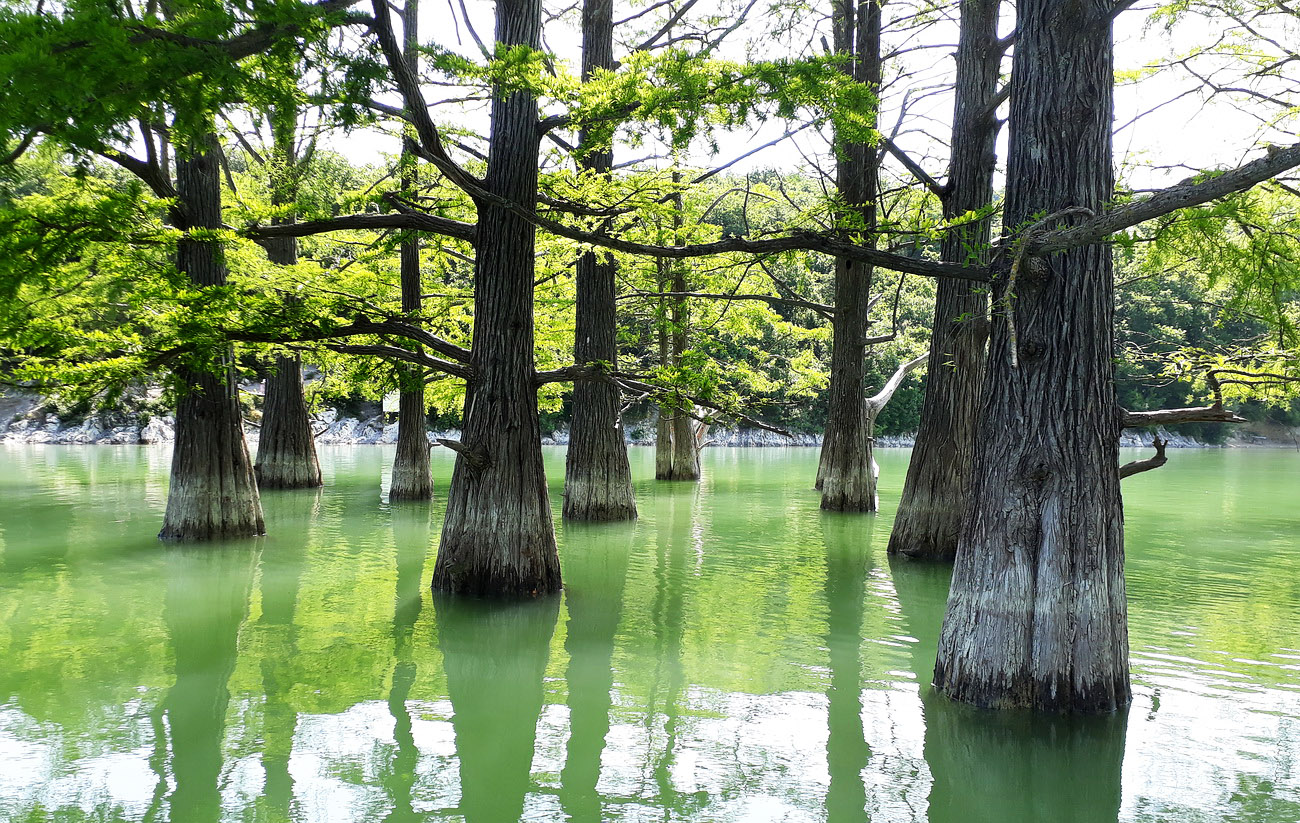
(1037, 613)
(497, 538)
(845, 472)
(212, 494)
(597, 477)
(938, 475)
(412, 479)
(286, 449)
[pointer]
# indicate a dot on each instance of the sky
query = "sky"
(1157, 122)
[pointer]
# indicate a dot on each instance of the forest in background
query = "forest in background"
(774, 354)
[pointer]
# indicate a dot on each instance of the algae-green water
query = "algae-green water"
(734, 655)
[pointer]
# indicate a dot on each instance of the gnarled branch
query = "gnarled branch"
(882, 397)
(1137, 466)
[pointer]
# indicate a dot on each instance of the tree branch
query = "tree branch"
(1170, 417)
(398, 353)
(633, 383)
(430, 145)
(771, 299)
(940, 191)
(351, 222)
(1137, 466)
(1180, 196)
(882, 398)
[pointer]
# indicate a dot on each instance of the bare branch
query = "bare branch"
(940, 191)
(398, 353)
(882, 397)
(1137, 466)
(352, 222)
(633, 383)
(1169, 417)
(771, 299)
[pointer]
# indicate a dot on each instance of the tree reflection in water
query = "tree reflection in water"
(595, 559)
(848, 550)
(495, 656)
(206, 603)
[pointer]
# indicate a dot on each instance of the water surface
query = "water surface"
(735, 655)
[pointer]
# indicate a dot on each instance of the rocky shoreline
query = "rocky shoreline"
(333, 429)
(25, 419)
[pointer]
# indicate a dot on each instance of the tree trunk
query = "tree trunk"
(934, 493)
(497, 538)
(664, 421)
(212, 493)
(1037, 612)
(412, 479)
(286, 449)
(677, 452)
(844, 472)
(597, 478)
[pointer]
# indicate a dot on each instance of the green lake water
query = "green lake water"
(734, 655)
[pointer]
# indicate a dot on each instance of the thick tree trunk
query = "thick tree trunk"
(497, 538)
(286, 448)
(412, 479)
(212, 493)
(1037, 612)
(844, 472)
(597, 478)
(934, 493)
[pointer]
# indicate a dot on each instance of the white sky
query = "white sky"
(1186, 131)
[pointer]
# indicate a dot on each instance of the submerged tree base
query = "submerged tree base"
(598, 501)
(504, 564)
(213, 495)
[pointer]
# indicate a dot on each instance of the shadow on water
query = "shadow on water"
(495, 657)
(206, 603)
(290, 516)
(847, 540)
(411, 535)
(595, 561)
(1004, 767)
